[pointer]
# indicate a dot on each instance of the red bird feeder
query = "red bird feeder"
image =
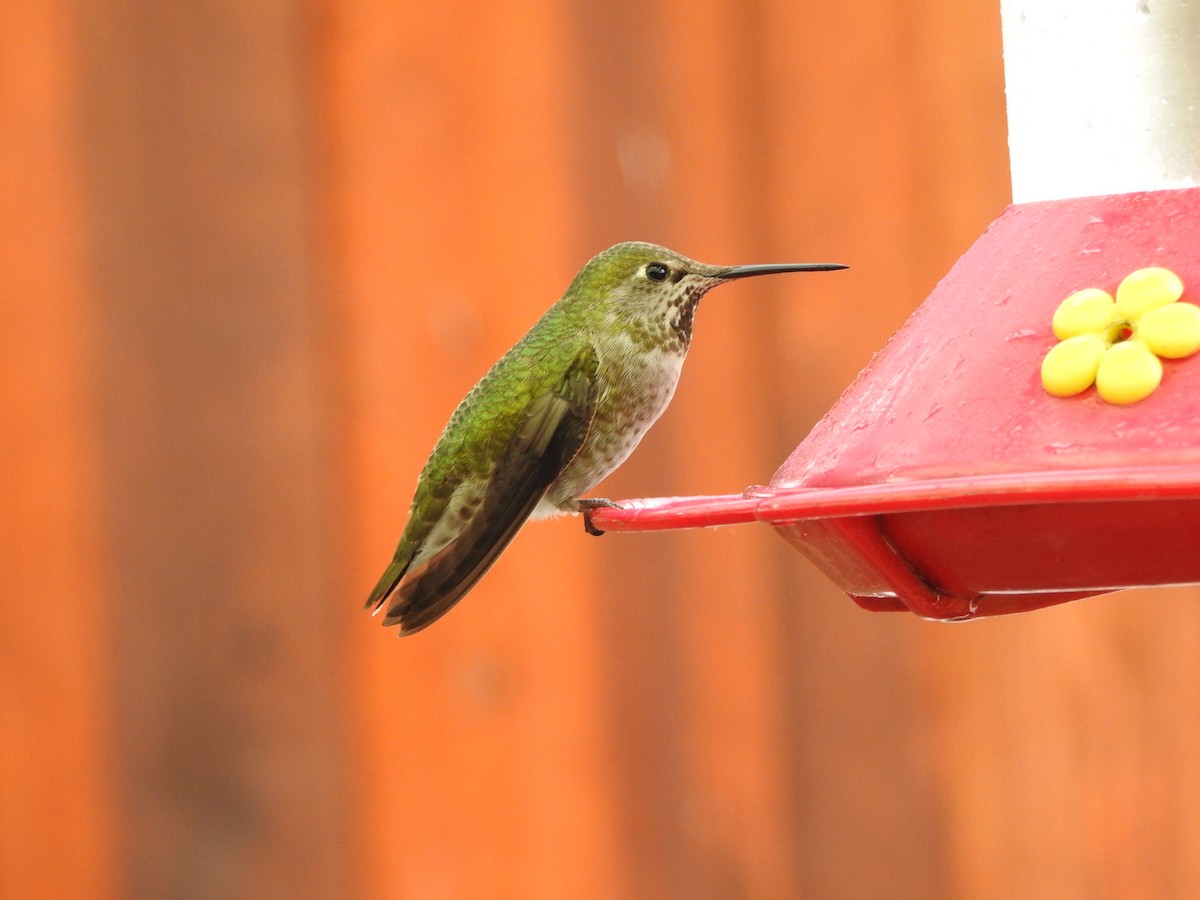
(966, 474)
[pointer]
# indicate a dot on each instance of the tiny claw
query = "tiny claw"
(587, 506)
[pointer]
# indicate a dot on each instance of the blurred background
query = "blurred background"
(252, 253)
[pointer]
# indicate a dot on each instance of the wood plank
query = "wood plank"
(208, 377)
(57, 809)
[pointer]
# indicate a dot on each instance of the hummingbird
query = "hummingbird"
(551, 419)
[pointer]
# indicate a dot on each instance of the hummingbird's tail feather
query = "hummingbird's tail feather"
(550, 435)
(441, 581)
(391, 577)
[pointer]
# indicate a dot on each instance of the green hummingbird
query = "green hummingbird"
(555, 415)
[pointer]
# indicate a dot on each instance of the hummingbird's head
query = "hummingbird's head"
(653, 292)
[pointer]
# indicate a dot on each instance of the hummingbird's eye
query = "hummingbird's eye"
(657, 271)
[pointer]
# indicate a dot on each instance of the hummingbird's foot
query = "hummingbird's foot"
(586, 506)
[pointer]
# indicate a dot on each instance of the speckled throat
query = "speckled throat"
(668, 330)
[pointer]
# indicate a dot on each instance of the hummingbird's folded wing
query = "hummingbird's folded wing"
(552, 432)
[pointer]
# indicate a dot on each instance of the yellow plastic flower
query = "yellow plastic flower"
(1116, 343)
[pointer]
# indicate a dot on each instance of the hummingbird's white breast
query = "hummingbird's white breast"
(636, 386)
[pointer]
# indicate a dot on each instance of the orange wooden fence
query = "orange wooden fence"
(252, 254)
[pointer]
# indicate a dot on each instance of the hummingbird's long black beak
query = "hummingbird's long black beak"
(776, 268)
